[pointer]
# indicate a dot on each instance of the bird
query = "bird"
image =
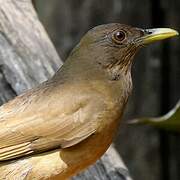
(76, 113)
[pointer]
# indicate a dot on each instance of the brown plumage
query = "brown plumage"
(76, 112)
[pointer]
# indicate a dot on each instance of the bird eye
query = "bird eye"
(118, 37)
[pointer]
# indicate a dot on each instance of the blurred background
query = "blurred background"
(150, 154)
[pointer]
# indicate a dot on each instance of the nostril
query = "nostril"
(146, 31)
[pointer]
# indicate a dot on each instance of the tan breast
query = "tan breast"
(80, 156)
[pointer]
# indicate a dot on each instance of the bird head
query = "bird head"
(113, 46)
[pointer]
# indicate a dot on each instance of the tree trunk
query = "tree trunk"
(27, 58)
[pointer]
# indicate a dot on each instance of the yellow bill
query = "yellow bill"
(152, 35)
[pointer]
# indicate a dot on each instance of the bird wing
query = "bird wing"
(33, 123)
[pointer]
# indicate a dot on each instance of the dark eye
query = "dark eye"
(118, 37)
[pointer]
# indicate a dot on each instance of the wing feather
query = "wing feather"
(29, 125)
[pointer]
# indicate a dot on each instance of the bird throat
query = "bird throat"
(119, 64)
(119, 69)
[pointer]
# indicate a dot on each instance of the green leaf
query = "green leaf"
(170, 121)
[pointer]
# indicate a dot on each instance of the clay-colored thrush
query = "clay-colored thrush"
(78, 110)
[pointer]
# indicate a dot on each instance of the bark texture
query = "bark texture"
(27, 58)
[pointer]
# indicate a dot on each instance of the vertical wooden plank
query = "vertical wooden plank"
(166, 14)
(158, 20)
(172, 18)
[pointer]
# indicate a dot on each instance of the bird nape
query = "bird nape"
(77, 112)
